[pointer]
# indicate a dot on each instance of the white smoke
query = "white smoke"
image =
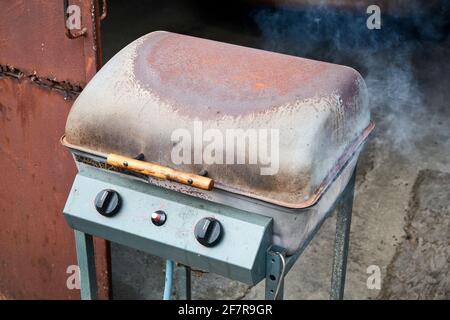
(384, 57)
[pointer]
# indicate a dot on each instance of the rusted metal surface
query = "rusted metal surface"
(163, 82)
(40, 67)
(69, 33)
(104, 10)
(69, 90)
(7, 71)
(33, 39)
(208, 79)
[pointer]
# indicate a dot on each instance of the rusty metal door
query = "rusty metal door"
(41, 70)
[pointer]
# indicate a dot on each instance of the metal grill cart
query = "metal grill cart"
(233, 219)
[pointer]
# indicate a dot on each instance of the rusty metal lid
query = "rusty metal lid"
(262, 124)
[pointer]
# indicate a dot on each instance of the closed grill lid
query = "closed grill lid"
(266, 125)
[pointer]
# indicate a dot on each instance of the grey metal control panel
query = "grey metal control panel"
(192, 231)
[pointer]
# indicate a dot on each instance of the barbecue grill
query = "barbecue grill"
(222, 158)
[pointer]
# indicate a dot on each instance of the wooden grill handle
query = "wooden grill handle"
(158, 171)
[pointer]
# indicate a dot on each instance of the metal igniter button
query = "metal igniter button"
(159, 218)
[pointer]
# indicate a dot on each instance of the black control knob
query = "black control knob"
(108, 202)
(208, 231)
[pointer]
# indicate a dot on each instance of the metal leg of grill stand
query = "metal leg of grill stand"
(343, 222)
(275, 272)
(86, 263)
(183, 287)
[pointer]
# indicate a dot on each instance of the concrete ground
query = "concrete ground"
(401, 211)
